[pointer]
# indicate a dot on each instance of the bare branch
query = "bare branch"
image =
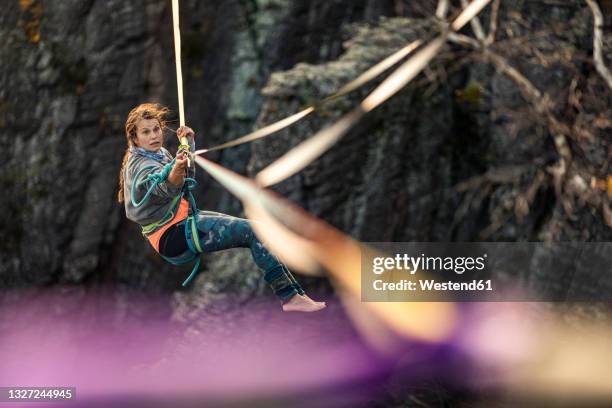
(442, 9)
(541, 102)
(529, 91)
(598, 23)
(525, 198)
(475, 22)
(464, 40)
(493, 24)
(468, 13)
(498, 175)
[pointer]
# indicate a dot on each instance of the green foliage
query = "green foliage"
(471, 94)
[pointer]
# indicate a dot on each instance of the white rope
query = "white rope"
(179, 71)
(177, 58)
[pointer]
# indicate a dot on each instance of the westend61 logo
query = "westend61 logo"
(412, 264)
(485, 271)
(395, 278)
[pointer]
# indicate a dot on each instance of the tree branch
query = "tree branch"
(475, 23)
(442, 9)
(541, 102)
(598, 23)
(493, 24)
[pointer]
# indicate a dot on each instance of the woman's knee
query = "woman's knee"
(245, 229)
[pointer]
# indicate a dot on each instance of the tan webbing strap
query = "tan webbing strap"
(179, 71)
(177, 60)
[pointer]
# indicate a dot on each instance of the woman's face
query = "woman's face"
(149, 135)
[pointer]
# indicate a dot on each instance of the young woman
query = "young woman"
(147, 158)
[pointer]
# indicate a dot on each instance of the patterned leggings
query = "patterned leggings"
(219, 231)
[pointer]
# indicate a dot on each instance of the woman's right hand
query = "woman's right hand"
(177, 174)
(184, 131)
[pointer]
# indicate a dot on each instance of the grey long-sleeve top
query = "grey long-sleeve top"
(159, 201)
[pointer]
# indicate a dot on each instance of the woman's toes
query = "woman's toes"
(302, 303)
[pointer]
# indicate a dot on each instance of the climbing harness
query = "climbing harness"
(182, 207)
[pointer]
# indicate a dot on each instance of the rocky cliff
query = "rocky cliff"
(460, 154)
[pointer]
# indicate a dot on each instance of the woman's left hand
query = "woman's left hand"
(184, 131)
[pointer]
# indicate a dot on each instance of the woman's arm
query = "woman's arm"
(167, 188)
(177, 174)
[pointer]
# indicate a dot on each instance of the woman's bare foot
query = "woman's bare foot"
(302, 303)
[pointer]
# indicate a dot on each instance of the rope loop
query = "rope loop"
(156, 179)
(190, 184)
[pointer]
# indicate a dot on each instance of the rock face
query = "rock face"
(460, 154)
(72, 70)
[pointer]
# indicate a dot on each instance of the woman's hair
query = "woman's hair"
(142, 111)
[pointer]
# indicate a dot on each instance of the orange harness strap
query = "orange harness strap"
(181, 214)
